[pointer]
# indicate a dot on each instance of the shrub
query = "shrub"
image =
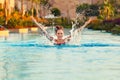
(28, 23)
(59, 21)
(92, 11)
(116, 21)
(88, 10)
(81, 8)
(65, 22)
(2, 20)
(108, 25)
(55, 11)
(16, 15)
(12, 23)
(116, 30)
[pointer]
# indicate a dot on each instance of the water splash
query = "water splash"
(76, 34)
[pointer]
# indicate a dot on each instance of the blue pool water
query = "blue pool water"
(96, 57)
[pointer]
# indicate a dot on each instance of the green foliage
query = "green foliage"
(19, 23)
(107, 10)
(93, 10)
(55, 12)
(16, 8)
(95, 27)
(2, 20)
(28, 13)
(1, 10)
(65, 22)
(12, 23)
(59, 21)
(116, 30)
(15, 12)
(81, 8)
(28, 23)
(108, 27)
(44, 2)
(88, 10)
(34, 12)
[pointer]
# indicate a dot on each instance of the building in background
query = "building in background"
(68, 7)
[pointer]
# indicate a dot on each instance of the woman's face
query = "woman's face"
(60, 34)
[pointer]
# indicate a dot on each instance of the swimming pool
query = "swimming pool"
(97, 57)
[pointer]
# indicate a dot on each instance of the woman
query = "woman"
(59, 32)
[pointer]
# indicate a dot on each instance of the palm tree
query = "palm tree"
(6, 11)
(22, 8)
(108, 11)
(45, 6)
(36, 3)
(32, 4)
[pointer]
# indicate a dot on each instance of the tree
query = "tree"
(22, 8)
(93, 10)
(6, 11)
(34, 5)
(116, 5)
(82, 8)
(45, 6)
(55, 12)
(107, 10)
(88, 10)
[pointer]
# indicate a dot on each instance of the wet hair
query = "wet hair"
(58, 28)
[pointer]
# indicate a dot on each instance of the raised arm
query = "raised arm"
(39, 25)
(43, 29)
(86, 23)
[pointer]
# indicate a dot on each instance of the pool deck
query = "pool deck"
(15, 30)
